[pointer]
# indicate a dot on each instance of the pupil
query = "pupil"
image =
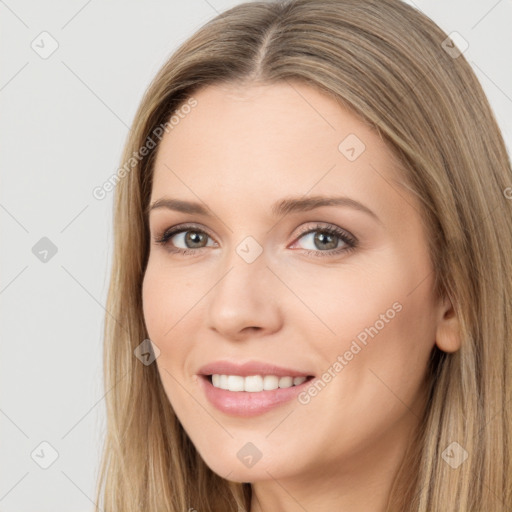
(194, 237)
(330, 239)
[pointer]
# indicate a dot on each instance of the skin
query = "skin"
(238, 151)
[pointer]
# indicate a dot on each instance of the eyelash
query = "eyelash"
(349, 240)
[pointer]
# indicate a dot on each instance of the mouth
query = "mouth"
(252, 388)
(244, 403)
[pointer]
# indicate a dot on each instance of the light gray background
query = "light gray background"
(63, 123)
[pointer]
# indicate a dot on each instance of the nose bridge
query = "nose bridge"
(242, 297)
(244, 271)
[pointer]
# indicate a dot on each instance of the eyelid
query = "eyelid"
(336, 230)
(184, 226)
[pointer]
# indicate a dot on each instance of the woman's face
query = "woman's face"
(264, 291)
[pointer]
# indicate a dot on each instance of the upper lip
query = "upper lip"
(249, 368)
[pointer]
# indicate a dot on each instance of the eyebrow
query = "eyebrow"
(280, 208)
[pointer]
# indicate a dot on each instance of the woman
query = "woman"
(250, 366)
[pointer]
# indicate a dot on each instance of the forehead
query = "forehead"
(270, 141)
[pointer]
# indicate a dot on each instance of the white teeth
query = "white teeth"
(270, 382)
(235, 383)
(254, 383)
(286, 382)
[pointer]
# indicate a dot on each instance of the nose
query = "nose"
(244, 302)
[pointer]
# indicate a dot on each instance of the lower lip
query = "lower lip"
(245, 403)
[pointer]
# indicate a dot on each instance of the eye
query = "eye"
(189, 237)
(327, 240)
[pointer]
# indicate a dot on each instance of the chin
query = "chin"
(247, 471)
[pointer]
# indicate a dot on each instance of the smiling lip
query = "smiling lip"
(249, 368)
(243, 403)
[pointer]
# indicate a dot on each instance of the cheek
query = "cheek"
(376, 383)
(382, 324)
(385, 340)
(166, 297)
(154, 303)
(346, 300)
(163, 305)
(171, 308)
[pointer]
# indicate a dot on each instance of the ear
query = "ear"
(448, 328)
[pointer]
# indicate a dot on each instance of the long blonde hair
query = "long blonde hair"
(394, 67)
